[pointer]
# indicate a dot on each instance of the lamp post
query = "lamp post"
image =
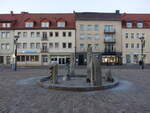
(16, 37)
(142, 46)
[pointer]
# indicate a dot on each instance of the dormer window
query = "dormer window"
(6, 25)
(129, 24)
(60, 24)
(29, 24)
(140, 24)
(44, 24)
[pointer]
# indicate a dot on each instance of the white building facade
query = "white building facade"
(42, 39)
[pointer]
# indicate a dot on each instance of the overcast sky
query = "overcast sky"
(67, 6)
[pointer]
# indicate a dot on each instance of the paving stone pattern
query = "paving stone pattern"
(20, 94)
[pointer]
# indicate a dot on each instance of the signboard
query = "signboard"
(27, 51)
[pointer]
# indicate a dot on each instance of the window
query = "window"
(89, 37)
(22, 58)
(50, 45)
(56, 34)
(37, 45)
(19, 45)
(56, 45)
(6, 25)
(140, 24)
(126, 45)
(128, 58)
(3, 34)
(82, 27)
(89, 27)
(51, 34)
(129, 24)
(60, 24)
(132, 35)
(96, 27)
(137, 45)
(18, 58)
(37, 34)
(126, 35)
(108, 36)
(32, 34)
(44, 58)
(64, 34)
(7, 34)
(32, 58)
(36, 58)
(19, 34)
(69, 45)
(45, 24)
(24, 45)
(2, 46)
(81, 46)
(69, 34)
(24, 34)
(109, 48)
(7, 46)
(97, 36)
(109, 28)
(44, 35)
(137, 35)
(29, 24)
(135, 58)
(96, 46)
(82, 37)
(132, 45)
(27, 58)
(32, 45)
(64, 45)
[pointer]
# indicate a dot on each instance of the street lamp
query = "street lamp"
(16, 37)
(142, 46)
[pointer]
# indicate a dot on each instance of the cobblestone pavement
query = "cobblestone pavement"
(19, 93)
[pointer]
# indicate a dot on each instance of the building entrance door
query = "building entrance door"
(81, 60)
(8, 60)
(1, 60)
(44, 59)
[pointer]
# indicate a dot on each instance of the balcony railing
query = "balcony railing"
(109, 40)
(109, 31)
(109, 51)
(44, 39)
(44, 50)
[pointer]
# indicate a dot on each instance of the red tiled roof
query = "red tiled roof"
(19, 19)
(143, 17)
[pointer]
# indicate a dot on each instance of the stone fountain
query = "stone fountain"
(94, 80)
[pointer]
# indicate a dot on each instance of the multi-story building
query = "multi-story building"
(135, 26)
(45, 38)
(42, 38)
(103, 32)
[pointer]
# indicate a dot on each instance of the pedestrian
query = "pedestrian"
(140, 64)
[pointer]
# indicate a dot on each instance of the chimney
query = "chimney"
(117, 12)
(23, 12)
(11, 12)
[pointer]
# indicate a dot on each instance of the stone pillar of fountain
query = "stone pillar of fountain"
(89, 64)
(94, 75)
(96, 71)
(53, 73)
